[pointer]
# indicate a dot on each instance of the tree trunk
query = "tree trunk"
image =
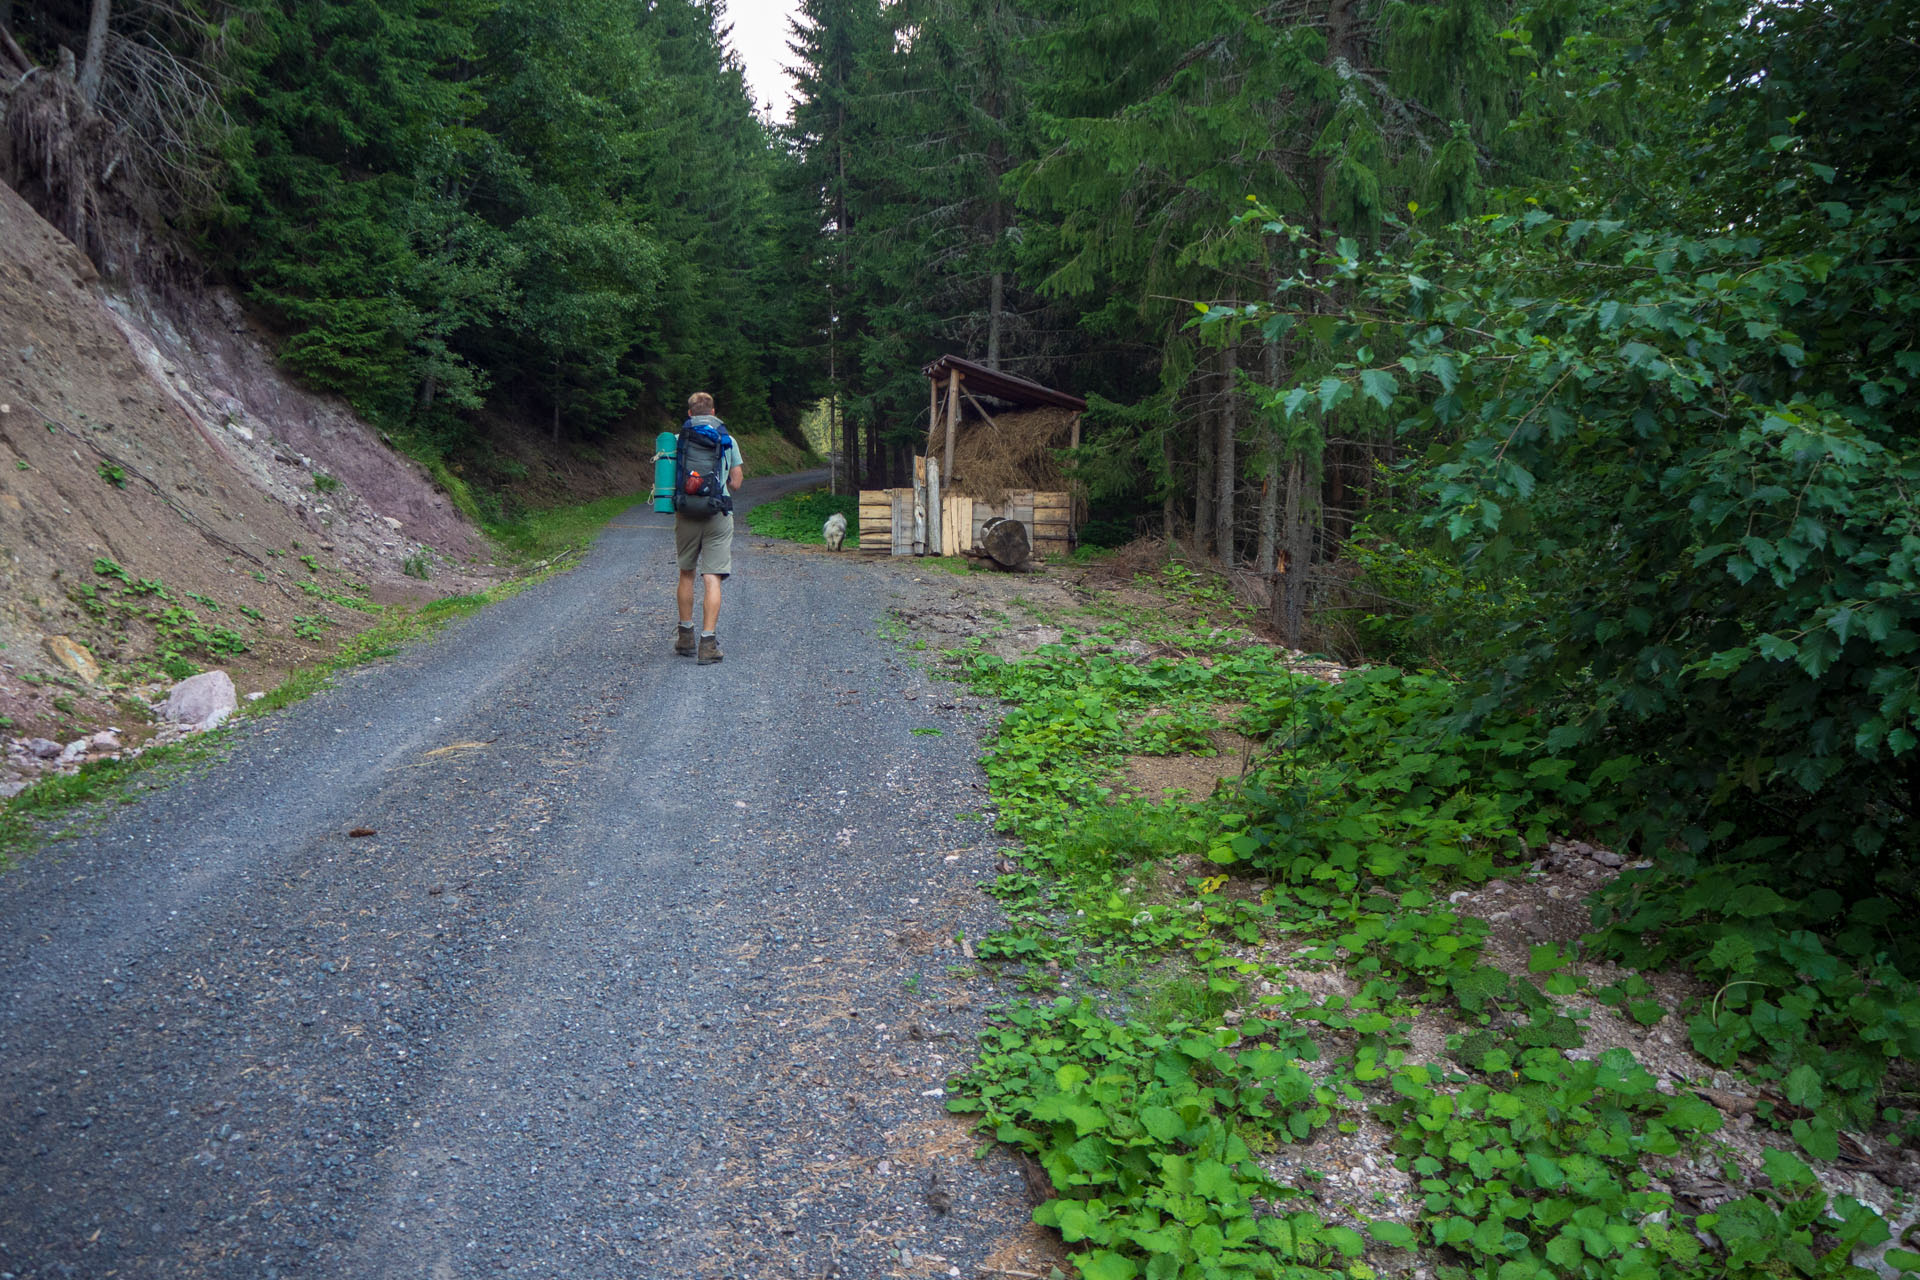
(1269, 470)
(1167, 504)
(996, 294)
(1338, 517)
(13, 52)
(997, 283)
(95, 64)
(1290, 593)
(1226, 462)
(1203, 483)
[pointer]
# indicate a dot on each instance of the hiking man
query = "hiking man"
(703, 521)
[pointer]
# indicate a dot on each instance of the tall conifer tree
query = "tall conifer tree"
(838, 46)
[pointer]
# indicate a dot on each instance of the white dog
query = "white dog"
(835, 531)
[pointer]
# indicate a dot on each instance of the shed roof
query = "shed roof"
(1001, 386)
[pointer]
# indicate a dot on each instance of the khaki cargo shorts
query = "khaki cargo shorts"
(707, 543)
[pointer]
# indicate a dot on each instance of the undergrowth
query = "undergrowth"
(542, 535)
(1172, 1046)
(799, 517)
(769, 453)
(27, 818)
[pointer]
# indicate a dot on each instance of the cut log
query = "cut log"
(1007, 541)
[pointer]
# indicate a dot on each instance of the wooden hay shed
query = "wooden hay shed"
(990, 456)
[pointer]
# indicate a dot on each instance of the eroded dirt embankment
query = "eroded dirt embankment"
(169, 499)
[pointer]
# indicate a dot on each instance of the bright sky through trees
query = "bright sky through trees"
(760, 38)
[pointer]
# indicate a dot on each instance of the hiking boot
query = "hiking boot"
(683, 641)
(709, 650)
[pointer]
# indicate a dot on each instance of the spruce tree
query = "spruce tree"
(1160, 121)
(563, 207)
(838, 46)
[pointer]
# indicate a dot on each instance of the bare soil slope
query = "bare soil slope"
(168, 446)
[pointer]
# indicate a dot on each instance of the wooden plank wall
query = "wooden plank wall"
(1047, 516)
(956, 524)
(1052, 524)
(876, 521)
(887, 521)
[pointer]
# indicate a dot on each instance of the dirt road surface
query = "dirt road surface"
(644, 971)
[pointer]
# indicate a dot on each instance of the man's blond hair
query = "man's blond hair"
(698, 403)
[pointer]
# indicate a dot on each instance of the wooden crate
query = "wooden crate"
(876, 521)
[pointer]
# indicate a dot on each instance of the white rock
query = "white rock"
(105, 741)
(1875, 1259)
(255, 696)
(202, 701)
(74, 750)
(42, 748)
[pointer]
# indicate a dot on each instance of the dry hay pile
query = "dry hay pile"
(1017, 450)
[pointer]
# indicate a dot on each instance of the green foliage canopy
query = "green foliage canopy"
(1670, 412)
(562, 206)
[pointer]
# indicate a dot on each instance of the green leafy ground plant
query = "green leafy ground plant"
(1146, 1099)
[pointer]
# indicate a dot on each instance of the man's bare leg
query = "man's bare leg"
(709, 606)
(684, 597)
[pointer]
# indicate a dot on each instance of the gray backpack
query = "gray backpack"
(699, 470)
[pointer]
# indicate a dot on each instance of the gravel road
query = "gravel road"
(645, 972)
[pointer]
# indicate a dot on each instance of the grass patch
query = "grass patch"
(25, 819)
(392, 633)
(768, 453)
(798, 517)
(543, 535)
(958, 565)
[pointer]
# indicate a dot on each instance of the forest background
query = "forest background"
(1565, 348)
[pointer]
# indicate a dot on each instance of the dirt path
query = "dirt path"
(644, 972)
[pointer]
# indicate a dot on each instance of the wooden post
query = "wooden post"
(936, 545)
(919, 506)
(980, 409)
(933, 413)
(1074, 514)
(953, 416)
